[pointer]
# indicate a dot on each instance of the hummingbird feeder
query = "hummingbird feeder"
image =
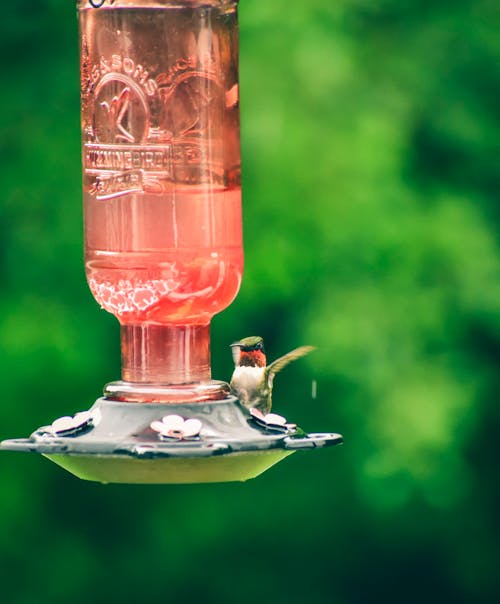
(163, 248)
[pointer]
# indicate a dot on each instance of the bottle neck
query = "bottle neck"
(165, 354)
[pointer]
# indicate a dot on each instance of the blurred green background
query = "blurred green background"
(370, 139)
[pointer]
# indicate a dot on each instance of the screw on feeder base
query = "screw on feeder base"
(220, 442)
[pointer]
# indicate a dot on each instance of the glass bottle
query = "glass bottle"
(161, 183)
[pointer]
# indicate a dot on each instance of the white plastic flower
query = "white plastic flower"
(70, 425)
(271, 421)
(175, 426)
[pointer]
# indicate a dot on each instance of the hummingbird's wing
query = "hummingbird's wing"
(277, 365)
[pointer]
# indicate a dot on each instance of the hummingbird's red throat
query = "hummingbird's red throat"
(253, 358)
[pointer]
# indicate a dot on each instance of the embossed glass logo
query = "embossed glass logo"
(125, 153)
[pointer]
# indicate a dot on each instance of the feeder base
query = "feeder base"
(117, 442)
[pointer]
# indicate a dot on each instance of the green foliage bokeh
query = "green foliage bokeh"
(370, 150)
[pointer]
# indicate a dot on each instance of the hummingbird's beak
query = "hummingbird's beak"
(236, 352)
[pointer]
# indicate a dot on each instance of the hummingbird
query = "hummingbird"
(252, 379)
(116, 111)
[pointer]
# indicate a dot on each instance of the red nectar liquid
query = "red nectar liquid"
(161, 163)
